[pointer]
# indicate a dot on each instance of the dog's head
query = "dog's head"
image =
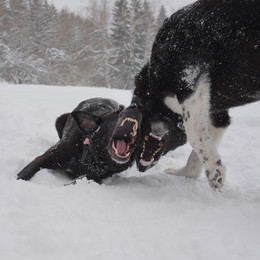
(126, 136)
(127, 133)
(97, 119)
(160, 134)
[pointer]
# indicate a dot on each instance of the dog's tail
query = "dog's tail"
(60, 123)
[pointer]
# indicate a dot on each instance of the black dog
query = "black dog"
(85, 135)
(205, 60)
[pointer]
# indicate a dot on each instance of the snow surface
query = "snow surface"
(133, 215)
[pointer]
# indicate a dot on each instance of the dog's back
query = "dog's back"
(218, 37)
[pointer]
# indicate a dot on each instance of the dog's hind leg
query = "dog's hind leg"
(206, 148)
(192, 169)
(201, 134)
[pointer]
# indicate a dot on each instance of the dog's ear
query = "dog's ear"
(121, 108)
(87, 123)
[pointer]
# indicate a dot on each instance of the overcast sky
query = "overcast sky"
(78, 5)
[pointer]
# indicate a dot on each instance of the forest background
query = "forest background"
(107, 46)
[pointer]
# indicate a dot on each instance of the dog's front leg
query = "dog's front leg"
(53, 158)
(37, 164)
(192, 169)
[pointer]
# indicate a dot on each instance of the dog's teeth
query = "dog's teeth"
(114, 148)
(159, 138)
(135, 126)
(133, 133)
(123, 156)
(119, 155)
(130, 120)
(113, 145)
(123, 122)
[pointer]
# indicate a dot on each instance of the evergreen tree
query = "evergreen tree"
(38, 44)
(99, 45)
(121, 44)
(5, 22)
(137, 41)
(20, 12)
(149, 31)
(160, 19)
(8, 23)
(20, 66)
(43, 18)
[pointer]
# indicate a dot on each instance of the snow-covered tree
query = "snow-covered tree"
(99, 44)
(43, 18)
(61, 68)
(137, 41)
(160, 18)
(17, 67)
(4, 19)
(149, 31)
(69, 49)
(121, 44)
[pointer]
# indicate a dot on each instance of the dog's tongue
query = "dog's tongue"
(121, 146)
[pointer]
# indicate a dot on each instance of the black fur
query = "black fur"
(94, 119)
(60, 124)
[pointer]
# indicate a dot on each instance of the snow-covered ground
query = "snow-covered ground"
(151, 216)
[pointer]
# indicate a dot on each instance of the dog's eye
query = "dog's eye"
(89, 124)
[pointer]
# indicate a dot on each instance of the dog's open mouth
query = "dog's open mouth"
(151, 151)
(124, 140)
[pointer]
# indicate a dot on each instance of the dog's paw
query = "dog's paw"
(216, 178)
(26, 174)
(23, 175)
(171, 171)
(182, 172)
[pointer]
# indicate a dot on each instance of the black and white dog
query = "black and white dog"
(82, 150)
(205, 60)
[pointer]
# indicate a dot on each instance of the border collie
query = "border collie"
(205, 60)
